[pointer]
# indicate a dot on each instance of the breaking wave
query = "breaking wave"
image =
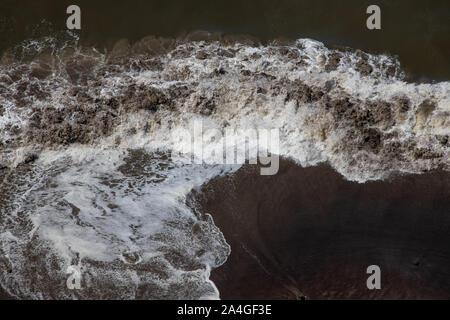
(91, 149)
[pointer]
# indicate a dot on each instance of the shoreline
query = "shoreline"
(319, 244)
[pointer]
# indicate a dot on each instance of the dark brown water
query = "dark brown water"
(307, 231)
(416, 31)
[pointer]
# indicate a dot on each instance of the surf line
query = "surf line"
(214, 145)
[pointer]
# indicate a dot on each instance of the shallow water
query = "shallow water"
(308, 232)
(96, 160)
(417, 31)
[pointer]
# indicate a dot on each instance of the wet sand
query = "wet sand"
(307, 231)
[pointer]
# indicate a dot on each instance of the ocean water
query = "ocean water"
(416, 31)
(96, 171)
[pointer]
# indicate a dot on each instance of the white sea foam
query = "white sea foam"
(89, 207)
